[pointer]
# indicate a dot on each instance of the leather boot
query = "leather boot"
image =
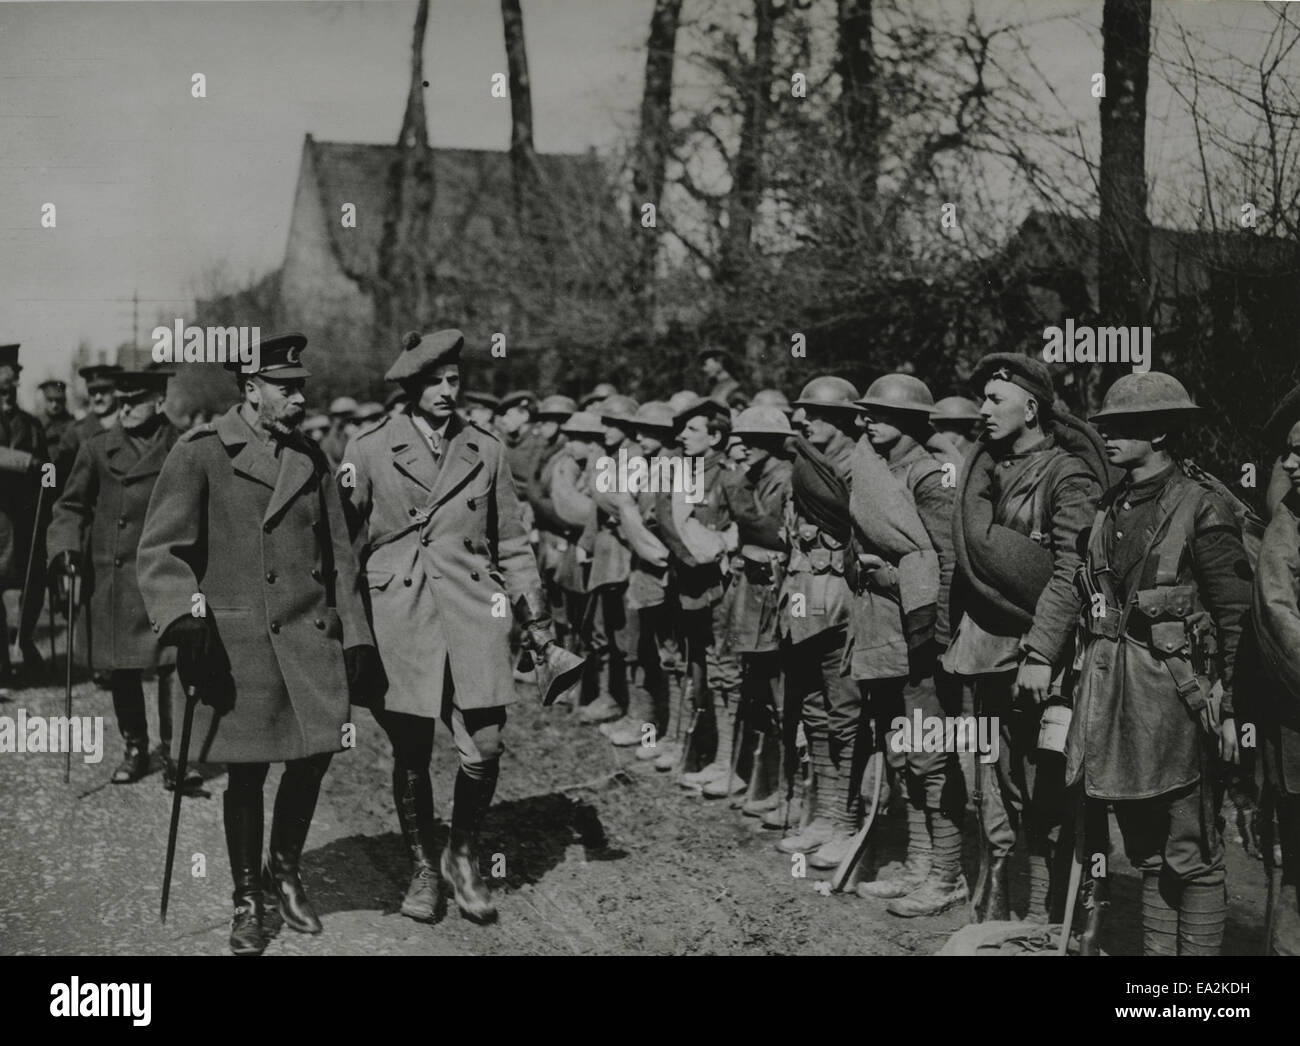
(413, 795)
(628, 731)
(295, 803)
(898, 879)
(243, 823)
(941, 892)
(1202, 913)
(459, 863)
(995, 904)
(134, 764)
(1159, 917)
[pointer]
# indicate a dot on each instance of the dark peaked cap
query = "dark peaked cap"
(105, 373)
(422, 352)
(1030, 374)
(53, 383)
(135, 382)
(280, 358)
(9, 357)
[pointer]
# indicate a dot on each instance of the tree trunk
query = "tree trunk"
(652, 147)
(523, 158)
(1124, 257)
(404, 285)
(859, 101)
(747, 173)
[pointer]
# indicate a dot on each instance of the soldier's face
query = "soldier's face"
(549, 429)
(514, 419)
(8, 390)
(103, 400)
(582, 448)
(614, 435)
(133, 413)
(56, 404)
(649, 442)
(1007, 409)
(756, 454)
(883, 429)
(1128, 440)
(440, 392)
(711, 366)
(1291, 456)
(695, 436)
(820, 426)
(280, 405)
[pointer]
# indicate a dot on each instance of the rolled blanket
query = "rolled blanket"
(820, 496)
(883, 510)
(1004, 569)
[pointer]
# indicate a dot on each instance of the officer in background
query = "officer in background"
(101, 394)
(54, 394)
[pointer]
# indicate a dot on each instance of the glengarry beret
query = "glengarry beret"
(423, 352)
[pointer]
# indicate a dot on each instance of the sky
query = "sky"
(165, 195)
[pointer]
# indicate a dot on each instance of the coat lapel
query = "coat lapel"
(411, 454)
(460, 459)
(121, 455)
(296, 470)
(150, 463)
(251, 458)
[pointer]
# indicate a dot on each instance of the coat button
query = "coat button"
(411, 512)
(315, 574)
(270, 577)
(407, 582)
(469, 544)
(473, 575)
(117, 562)
(275, 628)
(471, 504)
(121, 522)
(424, 541)
(266, 529)
(319, 623)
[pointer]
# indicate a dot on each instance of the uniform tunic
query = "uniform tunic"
(103, 508)
(758, 506)
(252, 526)
(445, 555)
(1277, 619)
(65, 451)
(21, 440)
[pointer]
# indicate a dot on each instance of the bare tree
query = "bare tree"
(523, 157)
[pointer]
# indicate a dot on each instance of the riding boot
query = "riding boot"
(413, 796)
(1097, 903)
(1159, 916)
(243, 823)
(994, 905)
(1202, 913)
(295, 803)
(459, 862)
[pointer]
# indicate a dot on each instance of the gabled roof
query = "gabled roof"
(473, 220)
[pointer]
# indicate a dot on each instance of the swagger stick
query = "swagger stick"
(191, 699)
(67, 703)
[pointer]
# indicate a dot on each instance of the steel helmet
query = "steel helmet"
(828, 391)
(771, 398)
(1149, 393)
(344, 405)
(584, 423)
(602, 391)
(955, 408)
(684, 400)
(556, 407)
(653, 414)
(618, 410)
(899, 392)
(762, 421)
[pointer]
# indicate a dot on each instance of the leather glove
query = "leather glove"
(66, 564)
(191, 636)
(367, 680)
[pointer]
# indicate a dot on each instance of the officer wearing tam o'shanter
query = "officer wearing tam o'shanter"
(1169, 588)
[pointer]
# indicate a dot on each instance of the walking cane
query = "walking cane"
(67, 703)
(31, 560)
(191, 699)
(1076, 874)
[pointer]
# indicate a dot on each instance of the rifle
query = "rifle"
(187, 726)
(688, 695)
(859, 845)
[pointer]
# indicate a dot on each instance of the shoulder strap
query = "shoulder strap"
(1182, 522)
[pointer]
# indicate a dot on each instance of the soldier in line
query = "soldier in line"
(55, 416)
(814, 617)
(316, 427)
(23, 452)
(246, 568)
(572, 487)
(893, 643)
(648, 593)
(93, 535)
(367, 414)
(441, 538)
(763, 488)
(552, 532)
(599, 393)
(700, 537)
(1276, 616)
(957, 425)
(341, 412)
(1042, 496)
(1170, 586)
(514, 424)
